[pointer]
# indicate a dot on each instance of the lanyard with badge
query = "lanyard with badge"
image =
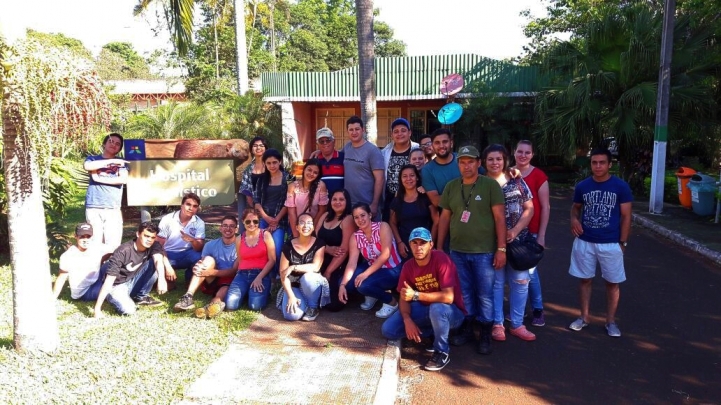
(466, 215)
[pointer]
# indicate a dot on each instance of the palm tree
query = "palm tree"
(604, 83)
(172, 121)
(366, 70)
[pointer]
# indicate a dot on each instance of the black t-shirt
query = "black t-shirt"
(126, 261)
(395, 163)
(296, 258)
(412, 215)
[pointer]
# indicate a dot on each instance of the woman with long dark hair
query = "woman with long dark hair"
(308, 194)
(269, 199)
(336, 229)
(250, 176)
(411, 209)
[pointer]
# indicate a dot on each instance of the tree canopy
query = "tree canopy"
(120, 61)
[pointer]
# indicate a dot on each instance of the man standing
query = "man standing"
(426, 144)
(182, 234)
(363, 163)
(80, 266)
(430, 299)
(330, 159)
(474, 217)
(214, 272)
(396, 155)
(601, 222)
(444, 168)
(130, 274)
(105, 191)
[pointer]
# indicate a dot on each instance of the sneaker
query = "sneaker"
(522, 333)
(499, 333)
(613, 330)
(538, 319)
(578, 324)
(185, 303)
(210, 310)
(369, 303)
(148, 301)
(310, 314)
(437, 361)
(386, 311)
(429, 348)
(462, 335)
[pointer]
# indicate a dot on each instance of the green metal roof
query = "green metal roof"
(404, 78)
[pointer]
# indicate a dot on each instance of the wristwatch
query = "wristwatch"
(416, 296)
(501, 249)
(623, 243)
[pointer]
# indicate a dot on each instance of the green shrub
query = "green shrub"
(670, 187)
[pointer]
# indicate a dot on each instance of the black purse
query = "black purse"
(524, 253)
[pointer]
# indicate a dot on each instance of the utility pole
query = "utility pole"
(660, 138)
(241, 53)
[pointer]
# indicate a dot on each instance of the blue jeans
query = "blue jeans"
(239, 288)
(91, 294)
(518, 286)
(184, 259)
(534, 287)
(278, 239)
(308, 294)
(122, 296)
(377, 284)
(436, 320)
(476, 274)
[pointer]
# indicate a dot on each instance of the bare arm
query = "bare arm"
(159, 261)
(436, 219)
(522, 222)
(434, 197)
(122, 178)
(348, 229)
(576, 226)
(59, 283)
(625, 222)
(93, 165)
(350, 268)
(545, 205)
(292, 211)
(378, 185)
(104, 291)
(444, 225)
(499, 217)
(322, 209)
(312, 267)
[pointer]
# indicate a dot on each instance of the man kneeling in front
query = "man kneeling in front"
(430, 299)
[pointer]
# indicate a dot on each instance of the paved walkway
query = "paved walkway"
(669, 352)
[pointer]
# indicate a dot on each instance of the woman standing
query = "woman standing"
(304, 289)
(374, 241)
(537, 182)
(411, 209)
(336, 230)
(519, 210)
(269, 199)
(250, 176)
(256, 258)
(308, 194)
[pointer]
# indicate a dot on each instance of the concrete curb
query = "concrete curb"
(678, 238)
(388, 382)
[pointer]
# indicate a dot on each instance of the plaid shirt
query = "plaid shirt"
(246, 181)
(258, 197)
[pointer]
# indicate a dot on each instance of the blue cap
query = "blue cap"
(420, 233)
(400, 121)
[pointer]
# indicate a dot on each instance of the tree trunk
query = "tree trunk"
(366, 69)
(35, 327)
(241, 51)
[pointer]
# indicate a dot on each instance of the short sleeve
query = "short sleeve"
(164, 226)
(397, 204)
(323, 196)
(376, 159)
(497, 197)
(427, 180)
(200, 230)
(625, 196)
(290, 196)
(446, 271)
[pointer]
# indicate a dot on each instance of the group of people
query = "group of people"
(419, 228)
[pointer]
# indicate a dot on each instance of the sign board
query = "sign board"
(163, 182)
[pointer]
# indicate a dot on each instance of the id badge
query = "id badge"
(465, 216)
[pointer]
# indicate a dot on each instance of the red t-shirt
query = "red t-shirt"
(535, 180)
(439, 273)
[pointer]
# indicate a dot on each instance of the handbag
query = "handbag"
(524, 253)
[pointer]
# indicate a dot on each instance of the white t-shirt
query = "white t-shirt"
(170, 228)
(82, 267)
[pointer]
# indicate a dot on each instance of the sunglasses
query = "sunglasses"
(251, 221)
(325, 141)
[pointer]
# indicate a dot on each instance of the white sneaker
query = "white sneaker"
(386, 311)
(369, 303)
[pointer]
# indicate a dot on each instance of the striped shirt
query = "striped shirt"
(372, 249)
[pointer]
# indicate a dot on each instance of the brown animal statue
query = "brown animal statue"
(202, 149)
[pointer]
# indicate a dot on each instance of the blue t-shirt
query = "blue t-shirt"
(435, 176)
(223, 254)
(601, 213)
(104, 195)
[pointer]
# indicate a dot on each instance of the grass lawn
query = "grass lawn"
(151, 357)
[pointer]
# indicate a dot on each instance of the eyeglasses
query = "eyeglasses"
(251, 221)
(259, 145)
(224, 226)
(325, 141)
(427, 144)
(308, 223)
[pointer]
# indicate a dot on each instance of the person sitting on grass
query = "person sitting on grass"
(80, 266)
(182, 234)
(214, 272)
(431, 303)
(130, 274)
(305, 290)
(256, 259)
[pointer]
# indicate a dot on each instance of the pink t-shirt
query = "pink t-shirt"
(298, 199)
(439, 273)
(535, 180)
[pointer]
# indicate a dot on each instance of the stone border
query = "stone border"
(678, 238)
(388, 382)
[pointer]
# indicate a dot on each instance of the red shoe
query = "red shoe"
(498, 333)
(522, 333)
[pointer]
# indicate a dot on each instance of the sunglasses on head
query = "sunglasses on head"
(253, 221)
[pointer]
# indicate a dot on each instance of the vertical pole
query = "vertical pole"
(660, 139)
